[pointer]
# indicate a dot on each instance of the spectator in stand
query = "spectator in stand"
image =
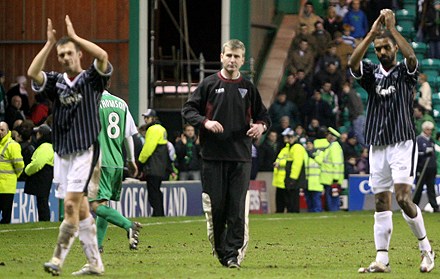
(432, 29)
(19, 89)
(11, 166)
(24, 138)
(39, 171)
(350, 167)
(268, 151)
(40, 110)
(323, 37)
(307, 15)
(343, 51)
(347, 38)
(351, 147)
(358, 21)
(363, 164)
(283, 125)
(283, 107)
(329, 57)
(304, 34)
(3, 102)
(319, 109)
(188, 160)
(332, 99)
(426, 166)
(420, 116)
(312, 128)
(302, 58)
(331, 73)
(297, 91)
(14, 111)
(302, 135)
(341, 7)
(352, 101)
(332, 22)
(425, 98)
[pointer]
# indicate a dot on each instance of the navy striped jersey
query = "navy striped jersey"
(75, 107)
(390, 103)
(117, 124)
(234, 104)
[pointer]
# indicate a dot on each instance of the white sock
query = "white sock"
(66, 237)
(89, 242)
(417, 226)
(383, 229)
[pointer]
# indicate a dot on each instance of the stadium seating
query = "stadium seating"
(420, 48)
(405, 15)
(430, 64)
(371, 57)
(406, 28)
(433, 82)
(410, 5)
(435, 97)
(437, 81)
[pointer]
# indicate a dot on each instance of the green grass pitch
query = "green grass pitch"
(305, 245)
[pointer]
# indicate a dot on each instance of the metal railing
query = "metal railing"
(177, 85)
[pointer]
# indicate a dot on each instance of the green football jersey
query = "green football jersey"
(116, 125)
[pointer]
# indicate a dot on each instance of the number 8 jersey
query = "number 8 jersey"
(116, 125)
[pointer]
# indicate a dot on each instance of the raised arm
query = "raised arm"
(359, 51)
(404, 46)
(94, 50)
(35, 69)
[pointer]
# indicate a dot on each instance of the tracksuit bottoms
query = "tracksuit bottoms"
(226, 206)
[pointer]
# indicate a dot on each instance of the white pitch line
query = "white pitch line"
(196, 221)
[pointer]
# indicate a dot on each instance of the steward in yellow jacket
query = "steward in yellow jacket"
(331, 160)
(314, 187)
(40, 171)
(289, 173)
(11, 166)
(155, 157)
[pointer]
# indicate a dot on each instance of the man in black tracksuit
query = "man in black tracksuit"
(230, 113)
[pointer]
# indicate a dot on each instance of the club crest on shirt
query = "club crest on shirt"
(243, 92)
(70, 98)
(219, 90)
(385, 91)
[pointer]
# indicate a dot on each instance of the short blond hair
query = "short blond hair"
(234, 44)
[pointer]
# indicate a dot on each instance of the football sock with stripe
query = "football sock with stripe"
(417, 226)
(383, 229)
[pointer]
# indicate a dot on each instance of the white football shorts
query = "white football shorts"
(73, 171)
(392, 164)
